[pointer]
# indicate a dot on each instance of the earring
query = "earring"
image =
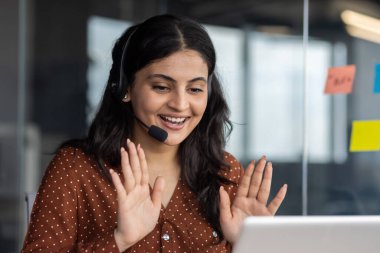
(126, 98)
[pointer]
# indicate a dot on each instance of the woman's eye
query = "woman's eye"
(195, 90)
(160, 88)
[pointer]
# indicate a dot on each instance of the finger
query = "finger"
(224, 205)
(158, 188)
(134, 161)
(257, 177)
(245, 181)
(129, 180)
(144, 166)
(277, 201)
(264, 190)
(121, 193)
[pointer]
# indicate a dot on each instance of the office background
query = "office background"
(55, 57)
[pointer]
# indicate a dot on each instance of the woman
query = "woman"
(152, 175)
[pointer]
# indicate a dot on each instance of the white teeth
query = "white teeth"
(174, 120)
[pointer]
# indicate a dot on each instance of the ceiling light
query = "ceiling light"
(362, 26)
(363, 34)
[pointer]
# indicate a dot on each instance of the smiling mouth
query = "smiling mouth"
(174, 120)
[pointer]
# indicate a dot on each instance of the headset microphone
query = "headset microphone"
(155, 131)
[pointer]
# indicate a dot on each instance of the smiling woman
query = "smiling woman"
(126, 189)
(170, 93)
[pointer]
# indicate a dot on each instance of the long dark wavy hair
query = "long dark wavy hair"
(201, 154)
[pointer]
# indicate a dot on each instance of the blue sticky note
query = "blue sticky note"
(376, 87)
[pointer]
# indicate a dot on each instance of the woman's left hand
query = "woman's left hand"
(251, 199)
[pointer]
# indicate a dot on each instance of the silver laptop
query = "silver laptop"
(310, 234)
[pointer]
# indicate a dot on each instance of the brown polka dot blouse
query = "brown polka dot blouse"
(76, 211)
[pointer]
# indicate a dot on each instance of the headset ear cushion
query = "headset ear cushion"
(114, 87)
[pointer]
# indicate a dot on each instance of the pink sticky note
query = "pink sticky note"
(340, 79)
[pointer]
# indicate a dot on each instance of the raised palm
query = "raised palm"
(138, 208)
(251, 199)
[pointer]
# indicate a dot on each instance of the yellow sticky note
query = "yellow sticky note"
(365, 136)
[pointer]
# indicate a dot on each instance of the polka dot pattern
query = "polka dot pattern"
(76, 211)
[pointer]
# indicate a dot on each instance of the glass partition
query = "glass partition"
(349, 182)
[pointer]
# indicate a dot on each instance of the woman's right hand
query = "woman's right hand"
(138, 209)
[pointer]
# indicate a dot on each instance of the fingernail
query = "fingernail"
(128, 140)
(285, 186)
(264, 157)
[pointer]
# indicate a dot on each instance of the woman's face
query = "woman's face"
(170, 93)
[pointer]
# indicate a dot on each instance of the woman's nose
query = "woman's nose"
(179, 101)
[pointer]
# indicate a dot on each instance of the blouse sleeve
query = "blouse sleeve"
(234, 173)
(53, 226)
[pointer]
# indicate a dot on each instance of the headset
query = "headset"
(119, 89)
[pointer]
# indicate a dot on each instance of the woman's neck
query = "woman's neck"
(162, 156)
(162, 159)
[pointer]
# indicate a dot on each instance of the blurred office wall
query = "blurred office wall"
(264, 88)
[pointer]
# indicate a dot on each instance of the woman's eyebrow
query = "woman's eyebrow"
(168, 78)
(198, 79)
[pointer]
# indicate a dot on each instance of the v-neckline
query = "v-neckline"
(164, 208)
